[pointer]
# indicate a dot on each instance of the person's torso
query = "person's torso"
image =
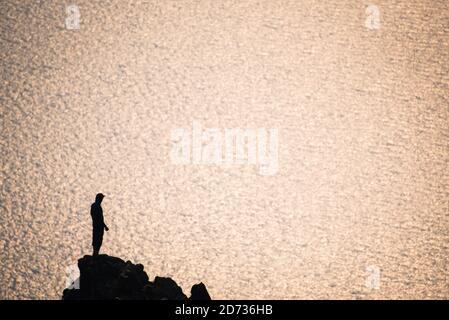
(97, 216)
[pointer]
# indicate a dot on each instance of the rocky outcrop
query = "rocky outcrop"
(105, 278)
(199, 292)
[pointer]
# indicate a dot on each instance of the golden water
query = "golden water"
(362, 115)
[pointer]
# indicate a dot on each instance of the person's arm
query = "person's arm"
(102, 221)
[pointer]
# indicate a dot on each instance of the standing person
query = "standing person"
(97, 223)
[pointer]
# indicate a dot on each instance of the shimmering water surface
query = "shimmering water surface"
(362, 114)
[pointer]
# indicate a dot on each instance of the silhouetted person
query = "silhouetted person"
(97, 223)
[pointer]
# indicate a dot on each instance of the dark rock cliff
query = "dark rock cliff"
(104, 278)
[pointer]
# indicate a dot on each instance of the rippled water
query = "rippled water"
(363, 181)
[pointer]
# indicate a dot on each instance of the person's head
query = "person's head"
(99, 197)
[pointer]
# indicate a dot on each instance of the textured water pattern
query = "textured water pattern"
(363, 182)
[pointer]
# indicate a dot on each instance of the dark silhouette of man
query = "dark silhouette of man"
(97, 223)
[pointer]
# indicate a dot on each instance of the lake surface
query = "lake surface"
(358, 208)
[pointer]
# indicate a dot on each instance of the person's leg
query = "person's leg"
(97, 241)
